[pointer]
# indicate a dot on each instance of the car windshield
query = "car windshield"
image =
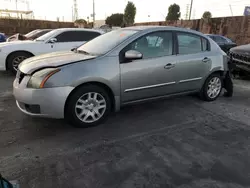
(106, 42)
(229, 40)
(46, 36)
(31, 33)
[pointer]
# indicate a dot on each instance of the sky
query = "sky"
(147, 10)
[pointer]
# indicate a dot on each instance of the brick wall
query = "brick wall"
(12, 26)
(237, 28)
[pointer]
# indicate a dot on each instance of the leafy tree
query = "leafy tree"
(173, 12)
(129, 13)
(81, 21)
(115, 20)
(207, 15)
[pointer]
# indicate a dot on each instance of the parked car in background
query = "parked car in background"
(225, 43)
(120, 67)
(29, 36)
(240, 57)
(2, 37)
(13, 53)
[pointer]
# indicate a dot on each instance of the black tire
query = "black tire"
(204, 91)
(12, 57)
(70, 111)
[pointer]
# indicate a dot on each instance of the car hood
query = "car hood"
(243, 49)
(54, 59)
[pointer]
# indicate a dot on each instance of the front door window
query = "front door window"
(154, 45)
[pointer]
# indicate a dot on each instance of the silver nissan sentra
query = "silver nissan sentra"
(123, 66)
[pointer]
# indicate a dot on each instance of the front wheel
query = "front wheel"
(212, 88)
(15, 59)
(88, 106)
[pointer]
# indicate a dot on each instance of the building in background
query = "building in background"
(247, 11)
(99, 23)
(16, 9)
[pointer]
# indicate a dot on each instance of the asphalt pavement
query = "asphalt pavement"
(180, 142)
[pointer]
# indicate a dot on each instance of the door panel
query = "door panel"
(147, 78)
(153, 75)
(191, 69)
(193, 61)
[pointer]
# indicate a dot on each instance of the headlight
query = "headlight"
(39, 78)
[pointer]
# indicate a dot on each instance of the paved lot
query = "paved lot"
(182, 142)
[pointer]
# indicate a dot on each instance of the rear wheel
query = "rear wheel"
(15, 59)
(88, 106)
(212, 88)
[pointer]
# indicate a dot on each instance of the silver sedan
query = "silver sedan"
(124, 66)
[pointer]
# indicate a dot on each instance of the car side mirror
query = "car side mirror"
(52, 40)
(133, 54)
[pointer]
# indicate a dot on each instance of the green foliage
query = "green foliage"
(81, 21)
(207, 15)
(129, 13)
(115, 20)
(173, 12)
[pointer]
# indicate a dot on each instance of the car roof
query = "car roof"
(157, 28)
(214, 35)
(78, 29)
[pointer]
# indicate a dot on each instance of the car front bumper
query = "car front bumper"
(47, 102)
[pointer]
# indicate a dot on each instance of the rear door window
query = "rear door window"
(190, 43)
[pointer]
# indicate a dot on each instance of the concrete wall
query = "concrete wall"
(237, 28)
(12, 26)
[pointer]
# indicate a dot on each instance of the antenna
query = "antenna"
(75, 9)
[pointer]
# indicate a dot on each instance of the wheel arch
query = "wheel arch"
(219, 71)
(100, 84)
(7, 58)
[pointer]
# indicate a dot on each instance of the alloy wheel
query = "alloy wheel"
(17, 60)
(90, 107)
(214, 87)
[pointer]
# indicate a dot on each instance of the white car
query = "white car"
(13, 53)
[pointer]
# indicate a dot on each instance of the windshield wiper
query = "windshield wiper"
(83, 52)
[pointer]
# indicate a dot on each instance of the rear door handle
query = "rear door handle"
(169, 66)
(205, 59)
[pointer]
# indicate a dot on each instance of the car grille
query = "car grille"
(19, 76)
(240, 57)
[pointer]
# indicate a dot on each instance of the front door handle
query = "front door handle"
(169, 66)
(205, 59)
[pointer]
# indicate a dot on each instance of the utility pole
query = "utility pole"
(93, 13)
(187, 12)
(16, 10)
(191, 6)
(231, 9)
(75, 10)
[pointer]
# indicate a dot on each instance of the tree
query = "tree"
(129, 13)
(207, 15)
(173, 12)
(81, 21)
(115, 20)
